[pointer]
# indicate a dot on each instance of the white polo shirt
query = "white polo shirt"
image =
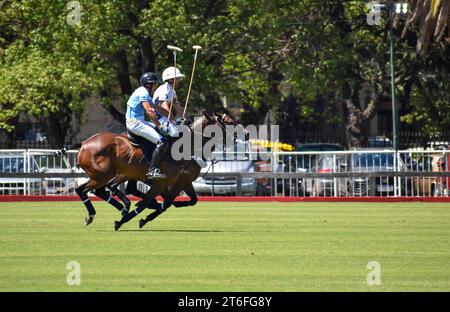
(164, 93)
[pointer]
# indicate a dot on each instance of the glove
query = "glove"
(181, 121)
(164, 131)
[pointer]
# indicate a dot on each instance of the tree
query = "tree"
(50, 67)
(432, 18)
(300, 60)
(357, 119)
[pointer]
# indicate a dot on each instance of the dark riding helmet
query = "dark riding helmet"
(149, 78)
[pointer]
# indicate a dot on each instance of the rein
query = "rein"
(213, 162)
(221, 125)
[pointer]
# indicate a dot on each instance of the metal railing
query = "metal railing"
(319, 174)
(332, 174)
(38, 172)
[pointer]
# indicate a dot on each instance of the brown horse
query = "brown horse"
(110, 159)
(189, 173)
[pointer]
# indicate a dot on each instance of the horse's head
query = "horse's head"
(217, 128)
(226, 119)
(200, 123)
(229, 127)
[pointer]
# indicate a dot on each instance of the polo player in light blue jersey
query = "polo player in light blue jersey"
(139, 105)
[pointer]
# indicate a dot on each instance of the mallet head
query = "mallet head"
(170, 47)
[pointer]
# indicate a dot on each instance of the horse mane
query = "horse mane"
(197, 123)
(128, 143)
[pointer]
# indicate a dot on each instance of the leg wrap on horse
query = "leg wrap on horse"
(122, 197)
(181, 204)
(150, 217)
(130, 215)
(86, 201)
(103, 194)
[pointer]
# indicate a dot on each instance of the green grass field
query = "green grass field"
(228, 247)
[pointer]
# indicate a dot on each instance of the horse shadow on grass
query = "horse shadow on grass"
(172, 230)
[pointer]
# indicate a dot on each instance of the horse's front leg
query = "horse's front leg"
(148, 202)
(169, 198)
(113, 186)
(190, 191)
(82, 192)
(132, 189)
(150, 217)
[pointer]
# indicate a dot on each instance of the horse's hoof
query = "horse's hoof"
(141, 223)
(88, 220)
(117, 225)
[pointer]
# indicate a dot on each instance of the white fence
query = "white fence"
(322, 174)
(17, 168)
(367, 173)
(336, 174)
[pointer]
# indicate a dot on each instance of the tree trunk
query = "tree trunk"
(58, 124)
(55, 129)
(123, 73)
(115, 113)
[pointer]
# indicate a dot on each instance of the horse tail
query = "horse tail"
(63, 151)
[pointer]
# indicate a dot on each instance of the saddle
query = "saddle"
(134, 139)
(139, 142)
(148, 147)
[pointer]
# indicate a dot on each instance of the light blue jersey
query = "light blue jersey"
(135, 109)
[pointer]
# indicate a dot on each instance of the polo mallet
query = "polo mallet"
(174, 49)
(196, 48)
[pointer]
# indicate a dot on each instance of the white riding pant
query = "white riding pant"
(172, 129)
(144, 129)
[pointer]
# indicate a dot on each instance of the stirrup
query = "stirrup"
(155, 174)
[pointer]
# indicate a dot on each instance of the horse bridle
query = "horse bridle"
(218, 121)
(222, 120)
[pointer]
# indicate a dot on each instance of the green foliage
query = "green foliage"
(51, 64)
(256, 53)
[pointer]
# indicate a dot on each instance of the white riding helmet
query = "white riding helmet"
(170, 73)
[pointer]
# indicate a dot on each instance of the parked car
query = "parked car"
(293, 163)
(228, 185)
(264, 185)
(379, 142)
(328, 163)
(14, 162)
(49, 163)
(318, 147)
(370, 162)
(443, 183)
(314, 163)
(18, 162)
(431, 186)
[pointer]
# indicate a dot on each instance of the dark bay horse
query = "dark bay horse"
(110, 159)
(189, 173)
(183, 183)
